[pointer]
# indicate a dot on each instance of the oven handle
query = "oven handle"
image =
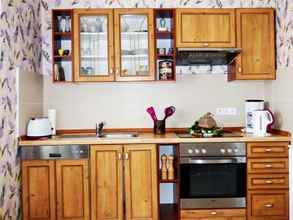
(212, 161)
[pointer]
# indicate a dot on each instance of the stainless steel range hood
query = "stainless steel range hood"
(206, 56)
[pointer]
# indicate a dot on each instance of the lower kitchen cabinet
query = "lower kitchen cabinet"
(106, 182)
(55, 189)
(72, 188)
(124, 173)
(141, 182)
(268, 205)
(213, 214)
(38, 190)
(267, 181)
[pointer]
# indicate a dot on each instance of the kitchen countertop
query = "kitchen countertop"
(149, 138)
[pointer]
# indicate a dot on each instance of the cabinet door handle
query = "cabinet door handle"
(126, 156)
(239, 69)
(117, 71)
(268, 181)
(206, 44)
(111, 71)
(268, 150)
(268, 205)
(268, 165)
(213, 212)
(119, 156)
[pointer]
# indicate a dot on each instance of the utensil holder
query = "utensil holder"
(160, 127)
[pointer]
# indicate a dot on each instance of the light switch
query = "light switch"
(226, 111)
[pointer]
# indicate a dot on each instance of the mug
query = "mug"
(60, 52)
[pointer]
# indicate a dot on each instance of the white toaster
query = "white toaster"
(39, 127)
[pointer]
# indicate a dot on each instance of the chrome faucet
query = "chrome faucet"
(99, 129)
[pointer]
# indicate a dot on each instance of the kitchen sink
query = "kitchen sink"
(119, 135)
(103, 136)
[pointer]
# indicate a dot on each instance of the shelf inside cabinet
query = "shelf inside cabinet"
(164, 34)
(165, 41)
(62, 38)
(169, 181)
(63, 57)
(168, 211)
(165, 56)
(63, 34)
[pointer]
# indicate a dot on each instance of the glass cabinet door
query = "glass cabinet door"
(134, 44)
(94, 45)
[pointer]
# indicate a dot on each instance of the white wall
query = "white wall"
(124, 104)
(30, 98)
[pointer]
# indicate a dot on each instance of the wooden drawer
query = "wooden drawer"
(268, 181)
(275, 165)
(267, 149)
(213, 214)
(272, 205)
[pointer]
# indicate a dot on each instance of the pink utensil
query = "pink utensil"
(152, 113)
(169, 111)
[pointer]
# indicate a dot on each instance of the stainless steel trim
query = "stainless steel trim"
(231, 50)
(193, 160)
(58, 152)
(213, 203)
(213, 149)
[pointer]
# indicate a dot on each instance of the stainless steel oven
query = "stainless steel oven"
(212, 175)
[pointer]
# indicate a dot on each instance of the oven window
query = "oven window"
(213, 180)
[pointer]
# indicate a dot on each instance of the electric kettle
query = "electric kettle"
(261, 121)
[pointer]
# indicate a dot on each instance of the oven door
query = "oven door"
(213, 182)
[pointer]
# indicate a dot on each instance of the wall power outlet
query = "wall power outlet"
(226, 111)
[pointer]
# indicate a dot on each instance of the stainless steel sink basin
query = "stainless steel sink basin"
(119, 135)
(104, 136)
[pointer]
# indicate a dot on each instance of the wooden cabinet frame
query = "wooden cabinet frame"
(229, 42)
(48, 200)
(77, 13)
(241, 70)
(39, 203)
(126, 163)
(150, 15)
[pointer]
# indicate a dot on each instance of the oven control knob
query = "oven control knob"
(196, 151)
(236, 150)
(190, 151)
(229, 151)
(223, 151)
(204, 151)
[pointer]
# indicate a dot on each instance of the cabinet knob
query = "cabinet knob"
(268, 181)
(268, 205)
(268, 165)
(206, 44)
(268, 150)
(126, 156)
(213, 212)
(119, 156)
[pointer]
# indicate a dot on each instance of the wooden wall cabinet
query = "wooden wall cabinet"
(94, 45)
(114, 45)
(134, 44)
(256, 38)
(205, 28)
(127, 171)
(55, 189)
(267, 181)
